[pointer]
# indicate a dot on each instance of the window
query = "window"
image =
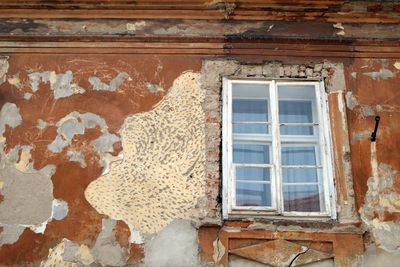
(276, 150)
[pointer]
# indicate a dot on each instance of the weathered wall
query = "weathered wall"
(373, 91)
(64, 120)
(110, 131)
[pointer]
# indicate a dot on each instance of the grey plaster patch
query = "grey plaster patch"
(77, 156)
(351, 101)
(10, 234)
(61, 84)
(154, 88)
(48, 170)
(383, 74)
(387, 235)
(27, 96)
(360, 136)
(60, 209)
(28, 197)
(41, 124)
(3, 68)
(354, 75)
(114, 84)
(107, 251)
(12, 156)
(70, 250)
(336, 81)
(105, 142)
(176, 245)
(69, 126)
(379, 108)
(374, 256)
(368, 111)
(76, 123)
(9, 115)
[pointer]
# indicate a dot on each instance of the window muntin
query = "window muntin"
(276, 160)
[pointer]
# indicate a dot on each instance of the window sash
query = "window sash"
(320, 138)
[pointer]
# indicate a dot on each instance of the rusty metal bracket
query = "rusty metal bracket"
(373, 135)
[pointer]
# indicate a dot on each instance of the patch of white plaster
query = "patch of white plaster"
(162, 175)
(14, 81)
(61, 84)
(114, 84)
(28, 96)
(397, 65)
(381, 198)
(135, 26)
(382, 73)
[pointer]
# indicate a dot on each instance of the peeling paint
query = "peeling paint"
(3, 68)
(28, 96)
(9, 115)
(340, 27)
(219, 250)
(351, 100)
(162, 174)
(114, 84)
(381, 198)
(176, 245)
(10, 234)
(41, 124)
(154, 88)
(135, 26)
(107, 251)
(61, 84)
(383, 74)
(397, 65)
(59, 209)
(14, 81)
(55, 257)
(360, 136)
(76, 123)
(28, 197)
(368, 111)
(84, 255)
(77, 156)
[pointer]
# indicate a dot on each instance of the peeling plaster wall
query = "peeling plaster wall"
(114, 160)
(61, 122)
(373, 91)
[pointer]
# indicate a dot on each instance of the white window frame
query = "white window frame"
(229, 210)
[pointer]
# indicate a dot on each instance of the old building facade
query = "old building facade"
(199, 133)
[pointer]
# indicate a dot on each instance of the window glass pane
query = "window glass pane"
(250, 90)
(297, 130)
(297, 175)
(253, 194)
(296, 91)
(253, 174)
(299, 111)
(250, 128)
(298, 155)
(304, 198)
(249, 110)
(246, 153)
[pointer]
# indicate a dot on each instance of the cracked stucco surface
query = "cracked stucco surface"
(162, 175)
